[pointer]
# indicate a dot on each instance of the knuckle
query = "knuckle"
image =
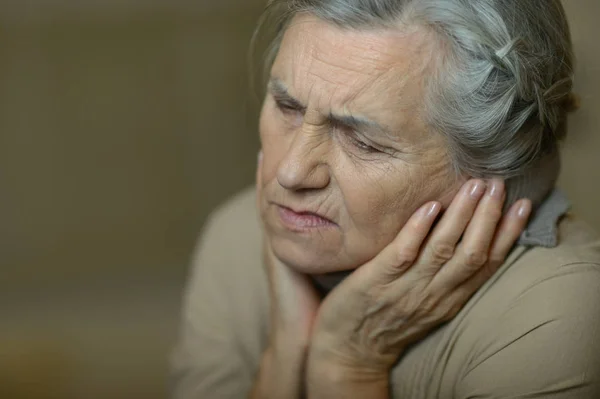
(475, 259)
(416, 298)
(442, 312)
(488, 270)
(494, 213)
(495, 260)
(441, 252)
(405, 257)
(412, 309)
(429, 305)
(451, 311)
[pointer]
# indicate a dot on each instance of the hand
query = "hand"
(294, 304)
(294, 300)
(419, 281)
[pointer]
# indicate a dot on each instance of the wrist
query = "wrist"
(330, 378)
(288, 345)
(327, 349)
(281, 372)
(344, 368)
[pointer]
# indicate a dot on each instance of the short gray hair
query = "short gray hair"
(501, 90)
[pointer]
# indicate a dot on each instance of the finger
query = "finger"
(442, 242)
(397, 257)
(472, 252)
(509, 231)
(456, 300)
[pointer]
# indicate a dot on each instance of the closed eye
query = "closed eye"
(288, 106)
(356, 140)
(361, 145)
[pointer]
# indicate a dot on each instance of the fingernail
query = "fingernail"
(477, 189)
(524, 209)
(433, 209)
(260, 156)
(497, 189)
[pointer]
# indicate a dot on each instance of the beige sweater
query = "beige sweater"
(533, 331)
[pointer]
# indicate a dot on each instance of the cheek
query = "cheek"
(377, 204)
(384, 199)
(377, 197)
(267, 126)
(276, 137)
(272, 142)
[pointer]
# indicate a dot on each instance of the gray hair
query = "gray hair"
(501, 89)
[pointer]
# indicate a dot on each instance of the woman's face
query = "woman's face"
(347, 157)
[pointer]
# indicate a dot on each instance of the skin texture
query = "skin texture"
(413, 269)
(346, 345)
(315, 164)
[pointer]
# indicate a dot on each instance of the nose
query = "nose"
(304, 166)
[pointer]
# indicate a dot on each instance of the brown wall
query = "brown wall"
(119, 132)
(581, 165)
(120, 129)
(118, 137)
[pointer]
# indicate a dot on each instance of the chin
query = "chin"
(305, 260)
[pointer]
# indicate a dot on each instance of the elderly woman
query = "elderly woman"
(388, 250)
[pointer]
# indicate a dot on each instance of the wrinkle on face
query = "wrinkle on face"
(314, 121)
(377, 74)
(359, 57)
(354, 88)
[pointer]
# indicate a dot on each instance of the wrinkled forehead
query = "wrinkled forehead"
(324, 63)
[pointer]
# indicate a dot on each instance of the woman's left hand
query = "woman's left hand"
(419, 281)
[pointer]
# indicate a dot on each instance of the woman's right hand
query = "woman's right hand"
(294, 303)
(294, 300)
(419, 281)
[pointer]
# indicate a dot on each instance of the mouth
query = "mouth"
(301, 221)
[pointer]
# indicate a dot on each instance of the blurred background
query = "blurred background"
(123, 123)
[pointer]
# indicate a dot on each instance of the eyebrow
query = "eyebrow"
(280, 92)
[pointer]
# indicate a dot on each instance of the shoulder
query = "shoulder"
(236, 217)
(548, 283)
(225, 309)
(229, 250)
(534, 328)
(578, 251)
(232, 232)
(228, 283)
(572, 265)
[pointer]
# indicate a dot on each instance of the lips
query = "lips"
(302, 220)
